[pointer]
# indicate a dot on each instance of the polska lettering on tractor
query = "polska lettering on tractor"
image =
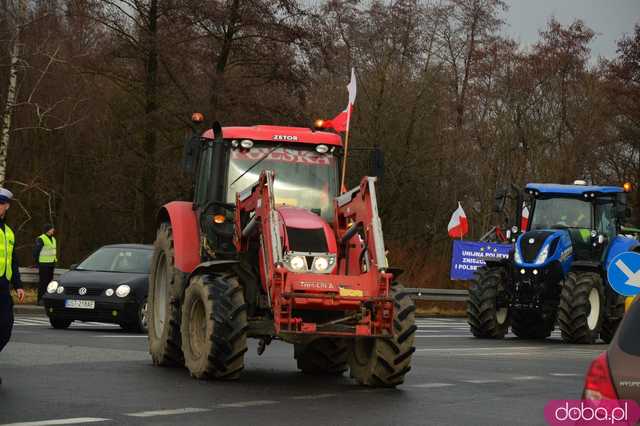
(270, 249)
(556, 272)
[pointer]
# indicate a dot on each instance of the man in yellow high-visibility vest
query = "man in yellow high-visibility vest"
(9, 272)
(45, 255)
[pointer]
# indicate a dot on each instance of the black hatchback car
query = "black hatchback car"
(109, 285)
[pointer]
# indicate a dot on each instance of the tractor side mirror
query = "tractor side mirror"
(376, 163)
(190, 154)
(500, 200)
(622, 207)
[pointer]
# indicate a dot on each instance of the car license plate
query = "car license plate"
(80, 304)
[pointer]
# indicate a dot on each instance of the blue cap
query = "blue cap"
(5, 195)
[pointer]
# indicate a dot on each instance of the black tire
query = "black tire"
(614, 315)
(485, 319)
(166, 286)
(140, 326)
(579, 321)
(214, 327)
(322, 356)
(383, 362)
(533, 324)
(59, 323)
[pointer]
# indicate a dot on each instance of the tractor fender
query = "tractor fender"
(213, 266)
(619, 245)
(186, 236)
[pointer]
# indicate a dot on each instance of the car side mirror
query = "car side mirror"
(73, 266)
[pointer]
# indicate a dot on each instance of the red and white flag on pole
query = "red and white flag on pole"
(458, 225)
(525, 217)
(340, 123)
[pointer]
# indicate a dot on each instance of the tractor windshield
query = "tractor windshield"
(304, 178)
(552, 213)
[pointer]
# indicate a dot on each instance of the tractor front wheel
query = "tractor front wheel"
(322, 356)
(486, 318)
(581, 307)
(383, 362)
(214, 327)
(163, 308)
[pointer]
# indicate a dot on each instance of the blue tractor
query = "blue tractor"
(556, 272)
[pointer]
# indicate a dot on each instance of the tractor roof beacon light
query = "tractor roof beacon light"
(627, 187)
(318, 124)
(197, 118)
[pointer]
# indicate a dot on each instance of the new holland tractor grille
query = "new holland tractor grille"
(307, 240)
(530, 249)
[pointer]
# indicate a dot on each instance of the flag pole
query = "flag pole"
(346, 148)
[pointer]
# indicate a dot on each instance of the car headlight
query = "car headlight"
(52, 287)
(109, 292)
(323, 264)
(123, 290)
(542, 257)
(60, 290)
(297, 263)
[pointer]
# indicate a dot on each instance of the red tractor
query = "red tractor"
(270, 249)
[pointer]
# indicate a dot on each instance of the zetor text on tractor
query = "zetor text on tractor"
(556, 272)
(270, 249)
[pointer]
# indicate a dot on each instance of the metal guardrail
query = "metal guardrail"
(30, 275)
(438, 294)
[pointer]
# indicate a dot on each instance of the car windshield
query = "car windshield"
(118, 259)
(552, 213)
(303, 178)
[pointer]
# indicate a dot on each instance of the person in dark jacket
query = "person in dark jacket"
(9, 272)
(45, 255)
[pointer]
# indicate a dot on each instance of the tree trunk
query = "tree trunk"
(150, 128)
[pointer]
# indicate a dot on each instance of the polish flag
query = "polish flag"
(340, 123)
(458, 225)
(525, 217)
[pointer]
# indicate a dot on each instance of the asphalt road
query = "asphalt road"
(98, 374)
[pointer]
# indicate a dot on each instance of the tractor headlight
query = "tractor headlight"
(323, 264)
(123, 290)
(52, 287)
(297, 263)
(542, 257)
(516, 256)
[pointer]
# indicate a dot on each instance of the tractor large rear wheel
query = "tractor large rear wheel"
(383, 362)
(533, 324)
(214, 327)
(166, 284)
(612, 320)
(322, 356)
(486, 318)
(581, 307)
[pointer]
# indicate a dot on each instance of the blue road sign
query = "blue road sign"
(624, 273)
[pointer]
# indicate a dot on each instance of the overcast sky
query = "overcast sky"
(610, 19)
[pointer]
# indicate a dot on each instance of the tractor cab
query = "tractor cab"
(226, 161)
(570, 223)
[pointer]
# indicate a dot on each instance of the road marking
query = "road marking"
(495, 348)
(565, 374)
(481, 381)
(436, 336)
(168, 412)
(319, 396)
(109, 336)
(526, 378)
(246, 404)
(431, 385)
(73, 421)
